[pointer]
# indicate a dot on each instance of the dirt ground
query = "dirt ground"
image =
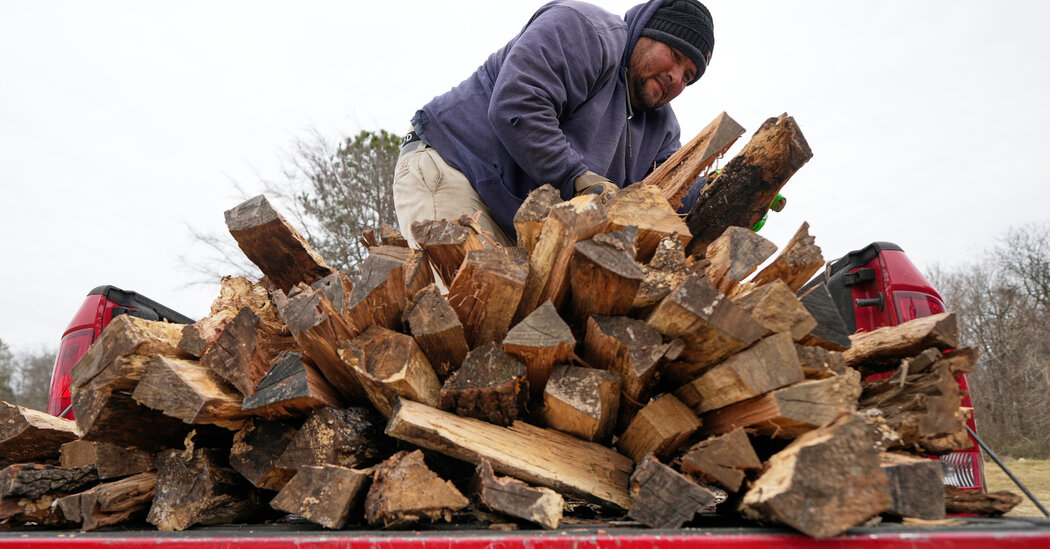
(1034, 473)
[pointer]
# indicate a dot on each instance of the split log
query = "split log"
(916, 486)
(446, 244)
(436, 328)
(110, 503)
(603, 275)
(28, 435)
(386, 235)
(115, 417)
(742, 193)
(681, 170)
(199, 488)
(486, 292)
(273, 245)
(664, 272)
(663, 498)
(660, 428)
(540, 341)
(712, 327)
(235, 293)
(734, 256)
(515, 498)
(256, 449)
(797, 263)
(831, 332)
(188, 391)
(291, 388)
(350, 437)
(117, 359)
(777, 308)
(404, 491)
(973, 502)
(820, 363)
(767, 365)
(539, 456)
(243, 351)
(645, 207)
(418, 274)
(325, 495)
(31, 480)
(528, 221)
(629, 347)
(789, 412)
(110, 460)
(823, 483)
(490, 386)
(582, 402)
(40, 511)
(882, 349)
(723, 460)
(388, 365)
(380, 296)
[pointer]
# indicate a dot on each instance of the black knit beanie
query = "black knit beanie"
(685, 25)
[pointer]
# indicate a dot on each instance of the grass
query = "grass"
(1034, 473)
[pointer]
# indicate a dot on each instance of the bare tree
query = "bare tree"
(25, 376)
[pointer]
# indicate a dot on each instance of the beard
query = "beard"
(644, 93)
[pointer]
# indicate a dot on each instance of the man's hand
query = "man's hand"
(592, 183)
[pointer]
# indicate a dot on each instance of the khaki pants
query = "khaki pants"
(427, 188)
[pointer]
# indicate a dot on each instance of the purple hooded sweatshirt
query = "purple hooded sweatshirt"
(548, 106)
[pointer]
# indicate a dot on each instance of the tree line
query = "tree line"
(25, 376)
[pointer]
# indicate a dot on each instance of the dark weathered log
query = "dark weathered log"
(604, 276)
(291, 388)
(882, 349)
(514, 498)
(538, 456)
(186, 390)
(405, 491)
(389, 365)
(490, 385)
(437, 330)
(325, 495)
(528, 221)
(797, 263)
(973, 502)
(40, 511)
(243, 351)
(820, 363)
(660, 428)
(110, 460)
(916, 486)
(31, 480)
(273, 245)
(629, 347)
(777, 308)
(380, 296)
(199, 488)
(540, 341)
(110, 503)
(28, 435)
(350, 437)
(734, 255)
(831, 332)
(723, 460)
(256, 449)
(235, 293)
(115, 417)
(486, 292)
(663, 498)
(742, 193)
(446, 243)
(582, 401)
(823, 483)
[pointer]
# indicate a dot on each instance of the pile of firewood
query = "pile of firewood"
(618, 356)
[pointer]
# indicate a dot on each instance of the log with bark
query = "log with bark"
(916, 486)
(734, 256)
(628, 347)
(390, 365)
(973, 502)
(515, 498)
(604, 276)
(256, 449)
(235, 293)
(644, 207)
(199, 487)
(490, 385)
(186, 390)
(244, 350)
(882, 349)
(327, 495)
(724, 460)
(292, 388)
(405, 491)
(350, 437)
(582, 401)
(540, 341)
(446, 244)
(661, 427)
(528, 220)
(664, 498)
(110, 460)
(831, 332)
(438, 331)
(380, 296)
(28, 435)
(777, 308)
(795, 265)
(111, 503)
(486, 292)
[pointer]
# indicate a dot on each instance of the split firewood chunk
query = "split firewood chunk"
(735, 255)
(199, 488)
(186, 390)
(742, 193)
(582, 401)
(32, 480)
(235, 293)
(380, 296)
(603, 275)
(28, 435)
(723, 460)
(41, 511)
(117, 359)
(643, 206)
(777, 308)
(664, 498)
(824, 482)
(446, 244)
(515, 498)
(256, 449)
(405, 491)
(292, 388)
(110, 460)
(272, 244)
(712, 327)
(882, 349)
(325, 495)
(797, 263)
(350, 437)
(418, 274)
(660, 428)
(110, 503)
(975, 502)
(243, 351)
(916, 486)
(386, 235)
(486, 292)
(767, 365)
(390, 365)
(538, 456)
(528, 221)
(114, 416)
(540, 341)
(820, 363)
(664, 272)
(627, 346)
(791, 411)
(490, 385)
(437, 330)
(831, 332)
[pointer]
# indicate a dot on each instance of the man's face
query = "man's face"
(656, 74)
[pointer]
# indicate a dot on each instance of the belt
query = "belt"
(412, 142)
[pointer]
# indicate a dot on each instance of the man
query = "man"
(578, 99)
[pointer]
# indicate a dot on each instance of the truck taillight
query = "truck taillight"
(912, 305)
(73, 346)
(963, 469)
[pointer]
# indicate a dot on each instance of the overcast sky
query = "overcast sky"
(122, 123)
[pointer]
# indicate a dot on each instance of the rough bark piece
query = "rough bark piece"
(539, 456)
(110, 460)
(386, 235)
(188, 391)
(644, 207)
(325, 495)
(243, 352)
(528, 221)
(405, 491)
(390, 365)
(831, 332)
(291, 388)
(256, 449)
(916, 486)
(515, 498)
(735, 255)
(32, 480)
(40, 511)
(604, 276)
(663, 498)
(797, 263)
(973, 502)
(660, 428)
(777, 308)
(235, 293)
(681, 170)
(723, 460)
(823, 483)
(582, 402)
(627, 346)
(110, 503)
(664, 272)
(820, 363)
(490, 385)
(767, 365)
(114, 361)
(380, 296)
(882, 349)
(540, 341)
(198, 487)
(789, 412)
(712, 327)
(272, 244)
(436, 328)
(446, 243)
(350, 437)
(742, 193)
(486, 292)
(28, 435)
